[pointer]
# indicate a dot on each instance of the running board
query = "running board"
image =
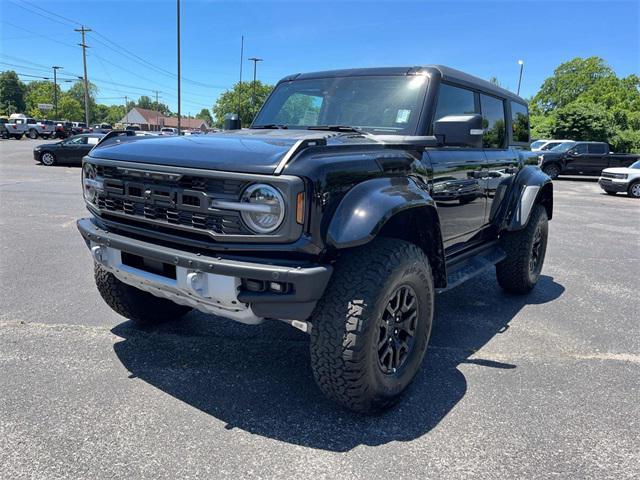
(461, 271)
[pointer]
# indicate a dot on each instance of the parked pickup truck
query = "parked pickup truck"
(353, 198)
(17, 127)
(582, 158)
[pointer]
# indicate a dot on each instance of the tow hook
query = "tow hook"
(98, 252)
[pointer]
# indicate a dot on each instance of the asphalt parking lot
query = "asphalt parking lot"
(539, 386)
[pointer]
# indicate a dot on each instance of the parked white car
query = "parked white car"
(621, 179)
(544, 145)
(169, 131)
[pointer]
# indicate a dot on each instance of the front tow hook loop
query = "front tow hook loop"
(98, 253)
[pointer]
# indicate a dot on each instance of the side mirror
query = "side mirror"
(232, 121)
(459, 130)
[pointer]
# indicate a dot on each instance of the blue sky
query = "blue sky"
(484, 38)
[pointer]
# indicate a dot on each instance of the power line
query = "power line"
(52, 13)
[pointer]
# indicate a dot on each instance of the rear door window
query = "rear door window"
(493, 121)
(597, 148)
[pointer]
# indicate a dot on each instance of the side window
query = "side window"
(492, 122)
(581, 148)
(520, 123)
(93, 140)
(78, 141)
(597, 148)
(454, 101)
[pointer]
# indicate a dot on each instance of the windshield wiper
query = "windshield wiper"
(271, 126)
(336, 128)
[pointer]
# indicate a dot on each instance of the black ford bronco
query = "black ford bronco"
(354, 197)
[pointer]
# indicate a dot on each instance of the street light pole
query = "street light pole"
(240, 82)
(178, 19)
(255, 61)
(521, 63)
(55, 90)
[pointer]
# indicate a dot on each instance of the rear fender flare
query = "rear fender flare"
(532, 186)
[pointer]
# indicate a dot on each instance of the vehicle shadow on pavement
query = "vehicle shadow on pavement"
(258, 378)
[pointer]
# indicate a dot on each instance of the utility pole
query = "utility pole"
(255, 61)
(240, 82)
(157, 106)
(55, 90)
(178, 18)
(521, 63)
(83, 30)
(126, 112)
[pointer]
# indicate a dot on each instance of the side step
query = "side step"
(460, 271)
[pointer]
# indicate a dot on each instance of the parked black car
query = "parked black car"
(70, 150)
(582, 158)
(354, 197)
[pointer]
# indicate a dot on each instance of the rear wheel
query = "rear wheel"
(552, 170)
(371, 328)
(33, 134)
(634, 190)
(526, 249)
(134, 304)
(48, 159)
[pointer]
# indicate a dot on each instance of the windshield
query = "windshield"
(635, 165)
(563, 147)
(538, 143)
(377, 104)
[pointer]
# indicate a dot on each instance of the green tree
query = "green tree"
(12, 92)
(40, 91)
(583, 121)
(570, 81)
(77, 92)
(586, 100)
(205, 115)
(229, 100)
(70, 109)
(116, 113)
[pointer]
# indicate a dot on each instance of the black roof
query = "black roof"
(447, 74)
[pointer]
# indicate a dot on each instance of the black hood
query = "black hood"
(245, 151)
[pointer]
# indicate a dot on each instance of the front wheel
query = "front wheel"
(634, 190)
(552, 170)
(520, 270)
(48, 159)
(134, 304)
(371, 328)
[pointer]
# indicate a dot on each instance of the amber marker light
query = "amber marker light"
(300, 208)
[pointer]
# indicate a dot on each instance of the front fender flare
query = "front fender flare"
(369, 205)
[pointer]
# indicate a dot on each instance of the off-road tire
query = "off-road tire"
(634, 190)
(33, 134)
(134, 304)
(347, 324)
(514, 273)
(48, 159)
(553, 170)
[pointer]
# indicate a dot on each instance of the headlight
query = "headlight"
(90, 185)
(264, 208)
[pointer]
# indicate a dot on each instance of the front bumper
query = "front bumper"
(210, 284)
(614, 185)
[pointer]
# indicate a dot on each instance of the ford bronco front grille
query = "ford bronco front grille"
(178, 201)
